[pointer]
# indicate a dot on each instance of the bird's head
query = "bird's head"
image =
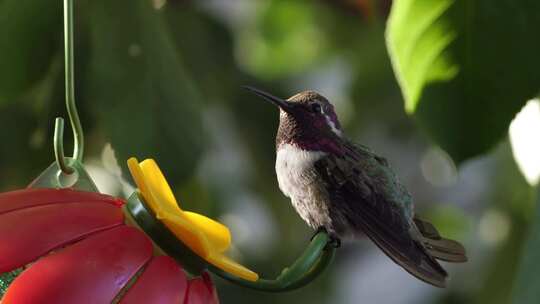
(307, 120)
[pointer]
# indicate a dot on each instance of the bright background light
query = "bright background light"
(525, 140)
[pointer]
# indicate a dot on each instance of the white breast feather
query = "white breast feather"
(298, 181)
(291, 165)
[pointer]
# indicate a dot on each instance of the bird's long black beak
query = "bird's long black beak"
(282, 103)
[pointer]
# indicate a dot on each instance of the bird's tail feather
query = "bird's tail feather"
(440, 248)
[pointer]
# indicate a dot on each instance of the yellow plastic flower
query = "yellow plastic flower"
(206, 237)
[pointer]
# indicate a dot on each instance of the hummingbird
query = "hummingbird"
(349, 191)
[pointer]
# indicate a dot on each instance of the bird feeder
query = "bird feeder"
(61, 241)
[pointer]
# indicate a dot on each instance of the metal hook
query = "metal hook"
(59, 146)
(78, 144)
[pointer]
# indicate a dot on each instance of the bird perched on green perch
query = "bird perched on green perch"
(349, 191)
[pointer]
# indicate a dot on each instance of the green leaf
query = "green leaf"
(526, 289)
(465, 67)
(30, 32)
(146, 102)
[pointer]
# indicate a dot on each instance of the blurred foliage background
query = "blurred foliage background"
(431, 85)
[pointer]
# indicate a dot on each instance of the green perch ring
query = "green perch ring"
(315, 258)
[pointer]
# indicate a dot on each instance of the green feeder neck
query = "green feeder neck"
(162, 237)
(316, 257)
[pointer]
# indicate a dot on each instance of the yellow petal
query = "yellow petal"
(206, 237)
(158, 185)
(140, 181)
(217, 233)
(187, 233)
(226, 264)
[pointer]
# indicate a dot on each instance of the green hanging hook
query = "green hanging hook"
(67, 171)
(70, 100)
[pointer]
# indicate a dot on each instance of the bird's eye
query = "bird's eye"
(316, 108)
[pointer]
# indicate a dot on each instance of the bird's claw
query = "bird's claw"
(333, 241)
(319, 230)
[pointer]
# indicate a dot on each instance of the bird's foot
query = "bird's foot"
(319, 230)
(333, 241)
